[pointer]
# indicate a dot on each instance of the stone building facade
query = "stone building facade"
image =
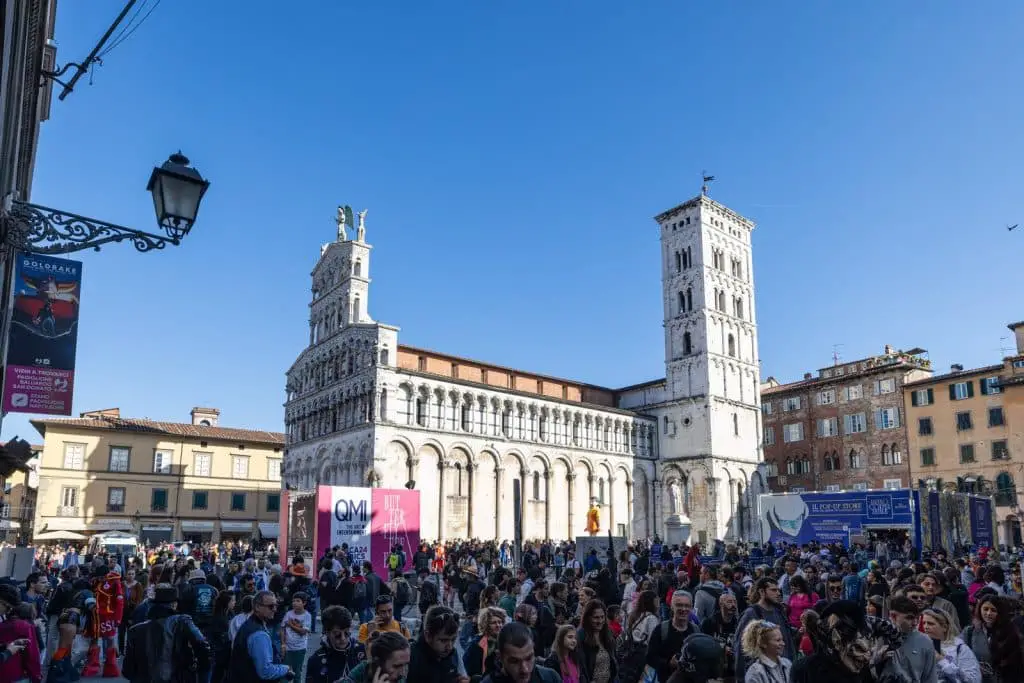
(844, 429)
(676, 457)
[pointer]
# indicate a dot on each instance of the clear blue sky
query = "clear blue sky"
(512, 156)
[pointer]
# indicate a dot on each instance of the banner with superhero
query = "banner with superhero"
(40, 372)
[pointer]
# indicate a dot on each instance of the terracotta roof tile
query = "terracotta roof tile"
(168, 428)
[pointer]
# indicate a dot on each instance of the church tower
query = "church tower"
(711, 419)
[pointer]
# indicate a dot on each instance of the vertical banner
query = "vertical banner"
(395, 522)
(981, 521)
(283, 515)
(40, 363)
(934, 520)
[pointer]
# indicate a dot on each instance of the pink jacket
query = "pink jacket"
(25, 664)
(798, 604)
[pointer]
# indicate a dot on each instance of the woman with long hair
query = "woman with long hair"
(763, 644)
(596, 646)
(801, 598)
(957, 663)
(994, 640)
(640, 624)
(220, 642)
(481, 656)
(564, 657)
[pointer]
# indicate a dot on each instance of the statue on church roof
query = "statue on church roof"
(361, 231)
(345, 217)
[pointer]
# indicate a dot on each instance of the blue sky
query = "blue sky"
(511, 156)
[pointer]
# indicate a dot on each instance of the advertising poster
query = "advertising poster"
(370, 521)
(40, 372)
(395, 521)
(981, 521)
(833, 517)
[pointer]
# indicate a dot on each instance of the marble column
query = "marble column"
(441, 467)
(471, 473)
(499, 480)
(570, 481)
(656, 501)
(547, 504)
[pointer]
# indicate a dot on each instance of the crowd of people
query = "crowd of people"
(465, 612)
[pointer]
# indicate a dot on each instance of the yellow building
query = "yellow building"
(163, 480)
(18, 484)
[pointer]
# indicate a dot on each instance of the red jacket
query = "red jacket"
(109, 603)
(25, 664)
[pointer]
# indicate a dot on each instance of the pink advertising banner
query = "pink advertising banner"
(40, 366)
(370, 521)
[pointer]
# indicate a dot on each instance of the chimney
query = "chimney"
(889, 350)
(807, 375)
(205, 417)
(1018, 332)
(956, 367)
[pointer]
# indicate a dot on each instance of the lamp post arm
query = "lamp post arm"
(45, 230)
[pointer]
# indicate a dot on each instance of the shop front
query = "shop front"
(236, 531)
(197, 531)
(155, 534)
(269, 531)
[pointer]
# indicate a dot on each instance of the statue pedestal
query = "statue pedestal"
(677, 529)
(599, 543)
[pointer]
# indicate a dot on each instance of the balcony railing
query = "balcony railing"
(115, 507)
(67, 511)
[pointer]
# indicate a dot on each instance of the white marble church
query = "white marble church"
(676, 457)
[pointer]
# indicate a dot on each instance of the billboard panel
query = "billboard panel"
(982, 534)
(40, 364)
(369, 521)
(833, 517)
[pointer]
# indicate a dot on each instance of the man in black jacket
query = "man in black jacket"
(666, 641)
(150, 657)
(518, 660)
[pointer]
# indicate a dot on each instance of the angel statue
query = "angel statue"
(343, 218)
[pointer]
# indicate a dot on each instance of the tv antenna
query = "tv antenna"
(708, 179)
(835, 353)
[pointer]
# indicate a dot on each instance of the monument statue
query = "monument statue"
(361, 231)
(343, 218)
(593, 518)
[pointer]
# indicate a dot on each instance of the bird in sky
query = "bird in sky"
(1011, 227)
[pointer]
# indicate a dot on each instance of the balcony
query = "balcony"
(68, 511)
(115, 507)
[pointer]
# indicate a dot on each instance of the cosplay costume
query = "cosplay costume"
(109, 611)
(77, 619)
(850, 647)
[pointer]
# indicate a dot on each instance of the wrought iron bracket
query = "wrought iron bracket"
(43, 230)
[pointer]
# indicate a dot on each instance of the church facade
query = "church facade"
(675, 457)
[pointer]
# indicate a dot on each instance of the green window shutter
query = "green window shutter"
(983, 386)
(970, 389)
(913, 398)
(931, 396)
(952, 392)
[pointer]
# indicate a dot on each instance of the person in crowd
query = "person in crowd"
(722, 627)
(253, 656)
(481, 656)
(167, 646)
(801, 598)
(217, 634)
(383, 620)
(764, 646)
(339, 652)
(765, 605)
(957, 663)
(15, 628)
(916, 654)
(705, 598)
(433, 656)
(596, 647)
(994, 640)
(564, 658)
(388, 656)
(667, 640)
(517, 658)
(295, 629)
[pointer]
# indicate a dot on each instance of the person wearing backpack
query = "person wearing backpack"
(402, 592)
(705, 599)
(359, 600)
(631, 645)
(197, 600)
(429, 592)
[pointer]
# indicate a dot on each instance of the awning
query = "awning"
(8, 525)
(157, 527)
(64, 523)
(270, 529)
(236, 527)
(195, 525)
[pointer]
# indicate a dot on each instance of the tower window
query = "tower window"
(679, 261)
(357, 269)
(536, 485)
(682, 303)
(732, 345)
(465, 417)
(421, 412)
(721, 301)
(689, 299)
(687, 344)
(735, 424)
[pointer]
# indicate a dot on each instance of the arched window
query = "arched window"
(383, 405)
(735, 424)
(679, 261)
(682, 303)
(721, 301)
(790, 466)
(805, 465)
(885, 454)
(687, 346)
(458, 479)
(421, 412)
(732, 345)
(385, 357)
(536, 485)
(773, 469)
(895, 454)
(856, 460)
(689, 299)
(464, 417)
(1006, 490)
(357, 269)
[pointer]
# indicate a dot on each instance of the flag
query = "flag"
(349, 216)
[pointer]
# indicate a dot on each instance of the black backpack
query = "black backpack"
(428, 593)
(630, 656)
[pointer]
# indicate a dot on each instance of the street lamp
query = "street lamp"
(177, 190)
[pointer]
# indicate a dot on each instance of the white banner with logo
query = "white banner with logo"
(350, 520)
